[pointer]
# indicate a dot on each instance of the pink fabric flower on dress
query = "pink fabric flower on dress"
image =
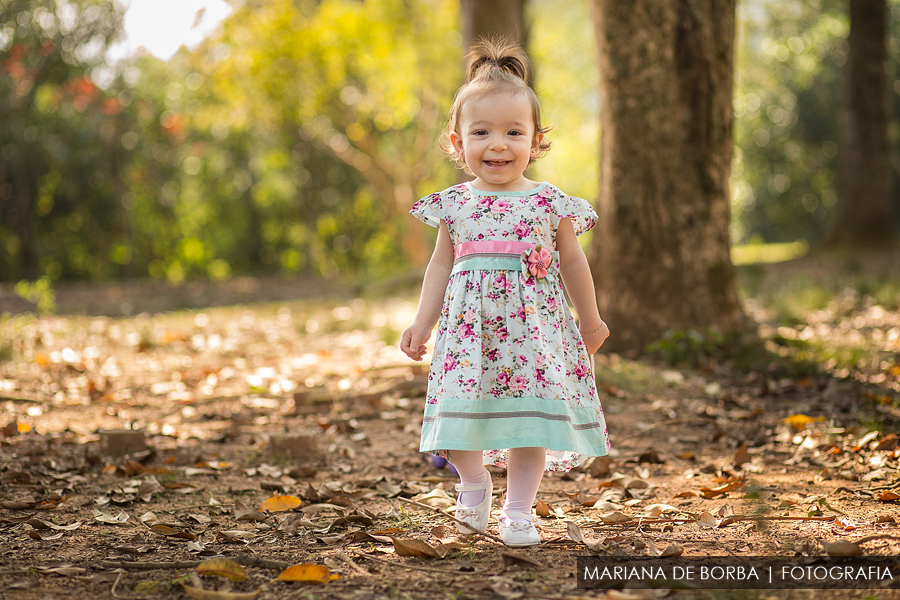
(537, 263)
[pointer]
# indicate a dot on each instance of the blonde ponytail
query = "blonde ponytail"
(498, 57)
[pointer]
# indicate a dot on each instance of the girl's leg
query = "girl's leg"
(524, 472)
(470, 466)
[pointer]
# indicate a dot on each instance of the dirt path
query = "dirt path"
(312, 400)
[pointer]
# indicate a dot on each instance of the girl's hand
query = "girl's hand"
(594, 339)
(412, 341)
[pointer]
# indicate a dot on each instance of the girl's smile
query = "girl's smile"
(497, 140)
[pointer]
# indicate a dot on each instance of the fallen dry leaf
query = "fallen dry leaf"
(235, 535)
(222, 567)
(309, 573)
(515, 558)
(710, 493)
(172, 532)
(707, 519)
(672, 550)
(800, 421)
(655, 510)
(243, 513)
(64, 569)
(41, 524)
(414, 548)
(436, 497)
(741, 456)
(439, 531)
(280, 503)
(105, 517)
(615, 517)
(841, 548)
(574, 532)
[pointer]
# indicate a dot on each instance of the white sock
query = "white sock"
(524, 472)
(470, 466)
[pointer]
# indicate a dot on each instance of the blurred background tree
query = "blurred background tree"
(864, 168)
(788, 95)
(295, 138)
(60, 181)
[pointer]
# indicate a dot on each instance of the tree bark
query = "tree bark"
(864, 214)
(485, 18)
(660, 255)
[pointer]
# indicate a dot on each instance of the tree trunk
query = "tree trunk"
(484, 18)
(660, 255)
(864, 216)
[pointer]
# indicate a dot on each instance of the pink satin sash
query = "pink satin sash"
(491, 246)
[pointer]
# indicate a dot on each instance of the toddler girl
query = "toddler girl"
(511, 381)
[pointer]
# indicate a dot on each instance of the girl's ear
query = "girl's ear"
(456, 141)
(536, 143)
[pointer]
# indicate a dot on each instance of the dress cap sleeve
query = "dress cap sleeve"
(578, 210)
(429, 209)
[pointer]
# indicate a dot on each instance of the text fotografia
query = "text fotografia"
(600, 572)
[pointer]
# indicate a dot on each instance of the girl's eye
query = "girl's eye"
(479, 132)
(514, 132)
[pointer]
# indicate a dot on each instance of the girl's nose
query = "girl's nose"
(497, 143)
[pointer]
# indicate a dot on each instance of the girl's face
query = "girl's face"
(496, 140)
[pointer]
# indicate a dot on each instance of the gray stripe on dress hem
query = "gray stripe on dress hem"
(504, 415)
(575, 426)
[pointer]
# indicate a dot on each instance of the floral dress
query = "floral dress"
(509, 369)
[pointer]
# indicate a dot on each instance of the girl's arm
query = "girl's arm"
(434, 286)
(576, 275)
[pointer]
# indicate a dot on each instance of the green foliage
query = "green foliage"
(59, 192)
(689, 347)
(40, 293)
(788, 87)
(296, 138)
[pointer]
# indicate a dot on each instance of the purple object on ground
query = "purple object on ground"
(439, 463)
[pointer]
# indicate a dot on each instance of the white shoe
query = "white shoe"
(518, 534)
(477, 516)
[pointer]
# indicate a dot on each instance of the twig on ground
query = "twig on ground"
(150, 566)
(451, 517)
(113, 591)
(725, 520)
(5, 398)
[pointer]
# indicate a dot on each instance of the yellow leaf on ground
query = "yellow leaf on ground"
(222, 567)
(309, 573)
(800, 421)
(281, 503)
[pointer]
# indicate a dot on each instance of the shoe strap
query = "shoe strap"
(473, 487)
